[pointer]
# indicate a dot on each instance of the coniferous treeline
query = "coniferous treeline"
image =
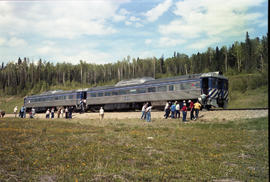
(24, 77)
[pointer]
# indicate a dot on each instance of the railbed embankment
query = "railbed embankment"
(203, 115)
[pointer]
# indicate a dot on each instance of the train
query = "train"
(132, 94)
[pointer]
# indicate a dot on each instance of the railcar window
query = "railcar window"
(65, 97)
(220, 82)
(214, 83)
(107, 93)
(55, 98)
(195, 84)
(114, 92)
(100, 94)
(70, 97)
(182, 86)
(171, 87)
(162, 89)
(185, 86)
(151, 89)
(122, 92)
(141, 90)
(132, 91)
(78, 96)
(93, 94)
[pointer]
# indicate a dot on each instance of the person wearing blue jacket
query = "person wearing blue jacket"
(173, 110)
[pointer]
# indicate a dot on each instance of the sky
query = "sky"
(107, 31)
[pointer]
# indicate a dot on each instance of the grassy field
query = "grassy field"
(8, 103)
(249, 99)
(132, 150)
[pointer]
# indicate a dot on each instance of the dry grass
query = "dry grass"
(133, 150)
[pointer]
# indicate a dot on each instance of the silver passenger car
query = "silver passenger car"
(131, 94)
(55, 98)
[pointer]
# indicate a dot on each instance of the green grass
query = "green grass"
(249, 99)
(8, 103)
(131, 150)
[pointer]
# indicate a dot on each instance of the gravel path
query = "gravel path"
(204, 115)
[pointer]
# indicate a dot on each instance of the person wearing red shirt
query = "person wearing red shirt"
(184, 111)
(191, 107)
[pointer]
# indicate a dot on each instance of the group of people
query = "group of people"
(173, 109)
(60, 112)
(49, 112)
(146, 112)
(22, 112)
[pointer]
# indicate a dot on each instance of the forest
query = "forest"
(23, 77)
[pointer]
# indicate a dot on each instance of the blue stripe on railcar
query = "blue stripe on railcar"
(142, 86)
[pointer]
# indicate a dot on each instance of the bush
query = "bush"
(238, 84)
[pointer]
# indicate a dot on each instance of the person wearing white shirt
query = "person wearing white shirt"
(101, 113)
(15, 111)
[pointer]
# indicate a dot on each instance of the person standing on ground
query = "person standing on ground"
(173, 111)
(177, 110)
(58, 112)
(48, 113)
(70, 112)
(52, 113)
(33, 112)
(143, 111)
(184, 111)
(62, 112)
(191, 107)
(24, 112)
(148, 113)
(66, 112)
(197, 107)
(167, 110)
(101, 113)
(15, 111)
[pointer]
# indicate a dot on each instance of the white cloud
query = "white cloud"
(128, 23)
(124, 12)
(133, 18)
(2, 41)
(153, 14)
(92, 56)
(60, 19)
(148, 41)
(213, 19)
(170, 42)
(138, 25)
(48, 50)
(204, 43)
(16, 42)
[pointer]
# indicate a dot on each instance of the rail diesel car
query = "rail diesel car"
(131, 94)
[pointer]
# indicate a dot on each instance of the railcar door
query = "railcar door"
(204, 86)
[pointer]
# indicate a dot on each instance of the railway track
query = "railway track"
(237, 109)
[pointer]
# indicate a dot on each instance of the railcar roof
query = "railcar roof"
(54, 92)
(150, 81)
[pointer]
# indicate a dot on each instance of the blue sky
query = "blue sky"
(107, 31)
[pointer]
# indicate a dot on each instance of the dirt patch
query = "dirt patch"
(204, 116)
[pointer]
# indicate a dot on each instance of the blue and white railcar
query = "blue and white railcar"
(215, 86)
